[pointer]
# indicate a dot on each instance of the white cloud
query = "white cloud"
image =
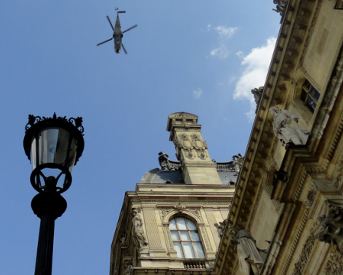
(239, 54)
(197, 93)
(225, 32)
(221, 52)
(256, 65)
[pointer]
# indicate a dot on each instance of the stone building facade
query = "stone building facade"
(172, 223)
(286, 216)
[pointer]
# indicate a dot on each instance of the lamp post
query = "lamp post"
(53, 145)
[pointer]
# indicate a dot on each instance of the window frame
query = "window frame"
(310, 96)
(186, 236)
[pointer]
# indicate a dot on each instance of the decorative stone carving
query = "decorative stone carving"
(257, 92)
(286, 127)
(221, 227)
(200, 146)
(249, 256)
(281, 6)
(166, 164)
(311, 195)
(334, 265)
(137, 229)
(237, 163)
(331, 225)
(179, 208)
(186, 145)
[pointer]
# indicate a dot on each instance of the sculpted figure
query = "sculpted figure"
(137, 228)
(249, 256)
(286, 127)
(331, 226)
(257, 92)
(281, 6)
(220, 227)
(238, 163)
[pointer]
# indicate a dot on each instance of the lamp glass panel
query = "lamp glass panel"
(55, 146)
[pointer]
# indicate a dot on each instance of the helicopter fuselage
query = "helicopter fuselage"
(117, 35)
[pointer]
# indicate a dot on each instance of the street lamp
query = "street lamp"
(53, 145)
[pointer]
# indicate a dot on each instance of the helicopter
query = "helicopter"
(117, 33)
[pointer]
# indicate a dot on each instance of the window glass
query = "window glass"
(198, 250)
(175, 235)
(184, 236)
(177, 247)
(194, 236)
(172, 225)
(181, 224)
(188, 250)
(190, 225)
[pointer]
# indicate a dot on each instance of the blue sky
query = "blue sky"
(196, 56)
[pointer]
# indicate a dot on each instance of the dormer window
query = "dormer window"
(310, 96)
(186, 239)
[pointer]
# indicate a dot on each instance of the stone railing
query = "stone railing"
(197, 264)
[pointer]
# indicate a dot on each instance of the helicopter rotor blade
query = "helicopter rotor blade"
(103, 42)
(134, 26)
(109, 21)
(122, 45)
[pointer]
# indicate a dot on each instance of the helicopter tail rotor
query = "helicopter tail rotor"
(134, 26)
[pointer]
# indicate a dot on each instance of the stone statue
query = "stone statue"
(250, 259)
(137, 229)
(166, 164)
(237, 163)
(257, 92)
(221, 227)
(286, 127)
(281, 6)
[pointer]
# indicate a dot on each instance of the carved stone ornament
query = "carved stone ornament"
(334, 265)
(331, 225)
(128, 267)
(286, 127)
(179, 208)
(311, 195)
(186, 145)
(200, 146)
(166, 164)
(137, 229)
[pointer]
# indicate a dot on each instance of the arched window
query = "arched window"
(185, 238)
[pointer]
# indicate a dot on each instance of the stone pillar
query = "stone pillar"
(191, 149)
